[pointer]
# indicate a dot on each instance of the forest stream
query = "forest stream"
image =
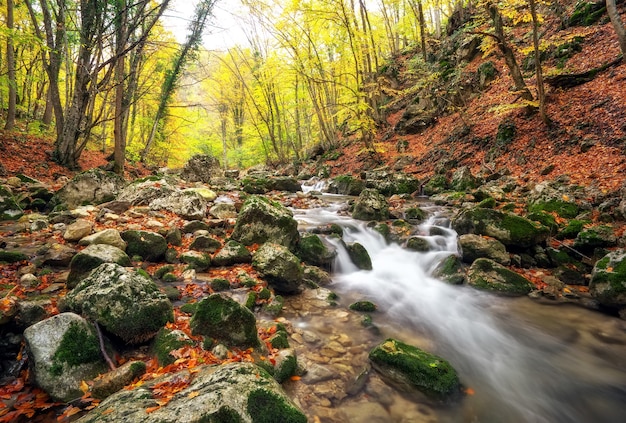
(519, 360)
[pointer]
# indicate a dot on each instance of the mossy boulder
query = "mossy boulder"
(346, 185)
(232, 253)
(196, 260)
(63, 351)
(106, 236)
(359, 256)
(126, 303)
(233, 393)
(601, 236)
(261, 220)
(150, 246)
(463, 180)
(421, 244)
(284, 183)
(390, 183)
(91, 257)
(508, 228)
(143, 191)
(411, 369)
(572, 229)
(9, 209)
(565, 209)
(166, 341)
(436, 185)
(313, 276)
(476, 246)
(414, 213)
(608, 280)
(280, 267)
(255, 184)
(286, 365)
(12, 256)
(371, 205)
(188, 204)
(204, 242)
(94, 186)
(313, 250)
(363, 306)
(486, 274)
(450, 270)
(226, 320)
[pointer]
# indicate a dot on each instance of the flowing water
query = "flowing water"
(519, 360)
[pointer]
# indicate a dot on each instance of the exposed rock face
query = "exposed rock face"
(63, 350)
(608, 280)
(476, 246)
(232, 253)
(490, 276)
(127, 304)
(143, 192)
(223, 211)
(450, 270)
(371, 205)
(148, 245)
(106, 236)
(279, 267)
(390, 183)
(94, 186)
(346, 185)
(58, 255)
(9, 209)
(91, 257)
(510, 229)
(226, 320)
(237, 392)
(77, 230)
(201, 168)
(261, 220)
(313, 250)
(463, 180)
(188, 204)
(411, 369)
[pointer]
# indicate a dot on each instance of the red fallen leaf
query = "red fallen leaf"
(295, 378)
(152, 409)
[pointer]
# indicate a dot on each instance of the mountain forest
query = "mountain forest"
(339, 211)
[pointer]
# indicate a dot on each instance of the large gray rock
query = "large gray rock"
(126, 303)
(236, 392)
(223, 211)
(411, 369)
(390, 183)
(94, 186)
(63, 351)
(148, 245)
(187, 204)
(488, 275)
(201, 168)
(226, 320)
(279, 267)
(91, 257)
(261, 220)
(106, 236)
(510, 229)
(463, 180)
(58, 255)
(371, 205)
(475, 246)
(608, 280)
(77, 230)
(143, 192)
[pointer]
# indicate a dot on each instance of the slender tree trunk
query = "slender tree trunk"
(10, 122)
(420, 10)
(618, 25)
(538, 70)
(119, 131)
(507, 51)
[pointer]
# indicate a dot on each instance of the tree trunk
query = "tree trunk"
(618, 25)
(10, 122)
(538, 71)
(420, 10)
(507, 51)
(119, 131)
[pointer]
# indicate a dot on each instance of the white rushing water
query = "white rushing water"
(523, 365)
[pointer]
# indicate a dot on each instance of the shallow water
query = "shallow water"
(520, 361)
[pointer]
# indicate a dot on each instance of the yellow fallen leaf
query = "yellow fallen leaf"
(84, 387)
(193, 394)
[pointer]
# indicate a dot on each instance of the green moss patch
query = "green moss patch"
(265, 406)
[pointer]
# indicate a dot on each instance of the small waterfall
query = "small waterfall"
(518, 372)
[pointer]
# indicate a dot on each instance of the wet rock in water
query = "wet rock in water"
(232, 253)
(419, 243)
(58, 255)
(261, 220)
(279, 267)
(608, 280)
(510, 229)
(475, 246)
(148, 245)
(450, 270)
(359, 256)
(63, 350)
(94, 186)
(91, 257)
(126, 303)
(188, 204)
(106, 236)
(236, 392)
(286, 365)
(77, 230)
(314, 276)
(225, 319)
(488, 275)
(371, 205)
(313, 250)
(411, 369)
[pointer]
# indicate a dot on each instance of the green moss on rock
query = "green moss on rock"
(488, 275)
(78, 346)
(564, 209)
(364, 306)
(265, 406)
